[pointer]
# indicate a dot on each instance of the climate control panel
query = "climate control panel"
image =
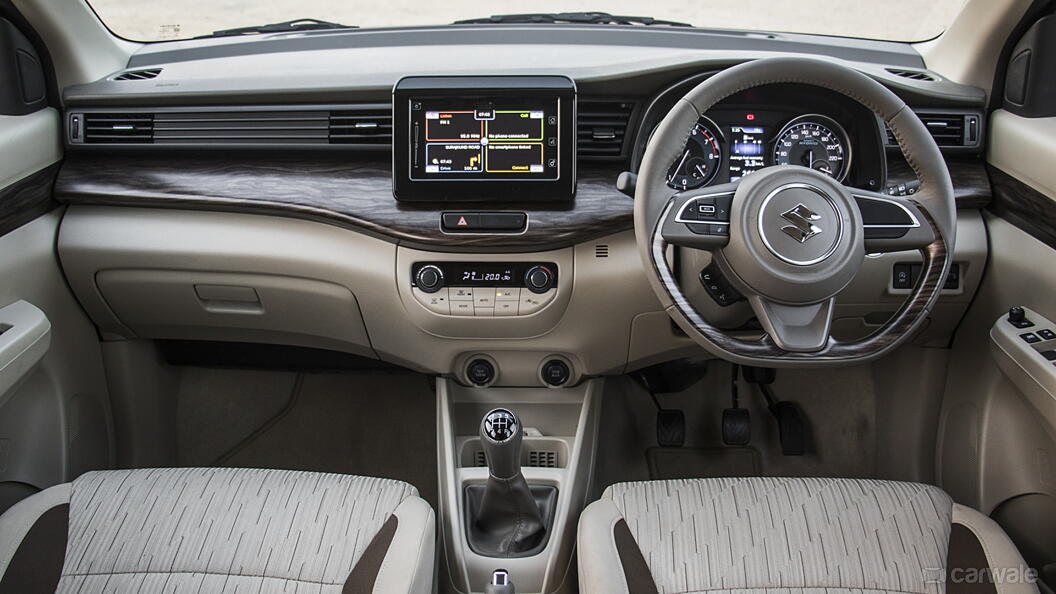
(484, 289)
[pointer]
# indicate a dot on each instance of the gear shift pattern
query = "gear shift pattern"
(500, 435)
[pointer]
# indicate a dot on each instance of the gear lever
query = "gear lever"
(508, 520)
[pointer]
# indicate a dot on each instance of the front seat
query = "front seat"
(219, 530)
(791, 536)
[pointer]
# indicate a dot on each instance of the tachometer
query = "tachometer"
(814, 141)
(700, 160)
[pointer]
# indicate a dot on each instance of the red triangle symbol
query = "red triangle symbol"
(461, 222)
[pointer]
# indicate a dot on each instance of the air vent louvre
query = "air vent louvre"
(601, 250)
(602, 127)
(241, 127)
(536, 459)
(369, 125)
(122, 128)
(949, 129)
(912, 74)
(145, 74)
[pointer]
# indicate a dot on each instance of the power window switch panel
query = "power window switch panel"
(1030, 337)
(1047, 334)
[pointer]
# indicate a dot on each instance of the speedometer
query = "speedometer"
(814, 141)
(700, 160)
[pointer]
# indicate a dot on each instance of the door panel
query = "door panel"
(54, 412)
(997, 449)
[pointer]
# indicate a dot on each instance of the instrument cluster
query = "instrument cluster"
(728, 144)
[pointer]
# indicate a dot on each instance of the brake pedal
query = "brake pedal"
(670, 428)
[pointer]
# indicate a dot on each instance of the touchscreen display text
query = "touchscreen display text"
(487, 139)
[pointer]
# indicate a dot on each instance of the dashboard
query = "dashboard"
(470, 206)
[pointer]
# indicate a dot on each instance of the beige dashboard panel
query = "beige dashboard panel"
(588, 323)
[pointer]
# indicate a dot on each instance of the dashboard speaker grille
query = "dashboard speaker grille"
(602, 127)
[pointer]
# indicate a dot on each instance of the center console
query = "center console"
(514, 469)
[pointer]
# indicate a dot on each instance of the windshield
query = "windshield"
(897, 20)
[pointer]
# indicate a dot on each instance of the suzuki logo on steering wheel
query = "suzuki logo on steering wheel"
(802, 219)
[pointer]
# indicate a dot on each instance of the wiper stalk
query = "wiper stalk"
(283, 27)
(588, 18)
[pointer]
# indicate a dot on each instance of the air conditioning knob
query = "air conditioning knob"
(539, 279)
(429, 279)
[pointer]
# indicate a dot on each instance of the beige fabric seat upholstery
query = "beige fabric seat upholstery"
(792, 535)
(219, 530)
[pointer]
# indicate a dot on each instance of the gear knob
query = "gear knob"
(500, 435)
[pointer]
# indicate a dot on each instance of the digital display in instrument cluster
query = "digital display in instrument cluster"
(747, 150)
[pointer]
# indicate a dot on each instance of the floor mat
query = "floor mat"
(683, 463)
(372, 424)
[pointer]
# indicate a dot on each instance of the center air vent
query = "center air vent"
(145, 74)
(367, 125)
(241, 127)
(116, 128)
(602, 127)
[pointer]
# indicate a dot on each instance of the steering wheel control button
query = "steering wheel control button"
(480, 372)
(436, 302)
(706, 209)
(539, 279)
(429, 279)
(717, 287)
(1030, 337)
(800, 224)
(556, 373)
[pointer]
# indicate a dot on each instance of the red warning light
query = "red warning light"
(750, 117)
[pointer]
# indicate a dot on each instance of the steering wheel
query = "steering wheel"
(790, 238)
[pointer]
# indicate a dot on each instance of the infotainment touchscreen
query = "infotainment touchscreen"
(497, 139)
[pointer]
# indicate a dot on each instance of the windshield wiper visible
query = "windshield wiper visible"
(589, 18)
(283, 27)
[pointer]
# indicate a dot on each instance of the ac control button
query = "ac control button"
(436, 302)
(461, 308)
(532, 302)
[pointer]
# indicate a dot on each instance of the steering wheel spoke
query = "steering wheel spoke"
(893, 223)
(700, 218)
(795, 328)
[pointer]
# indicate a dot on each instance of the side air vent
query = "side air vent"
(535, 459)
(369, 125)
(950, 129)
(912, 74)
(310, 126)
(601, 250)
(145, 74)
(117, 128)
(602, 127)
(241, 127)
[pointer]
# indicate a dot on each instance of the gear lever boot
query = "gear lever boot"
(508, 516)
